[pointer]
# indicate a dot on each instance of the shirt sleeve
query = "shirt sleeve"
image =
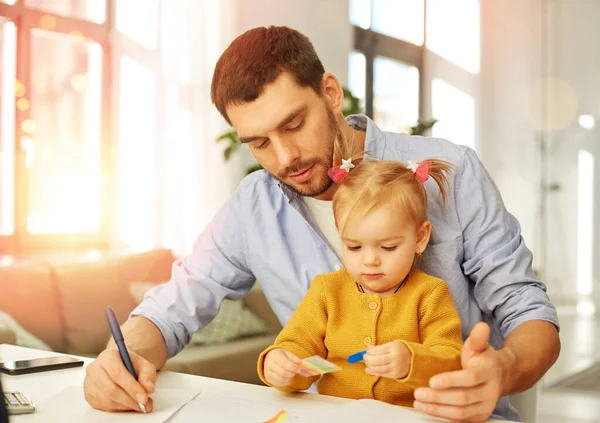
(216, 269)
(441, 339)
(303, 335)
(496, 258)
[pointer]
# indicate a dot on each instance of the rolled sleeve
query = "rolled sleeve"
(216, 269)
(495, 255)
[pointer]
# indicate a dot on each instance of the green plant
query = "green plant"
(422, 126)
(351, 107)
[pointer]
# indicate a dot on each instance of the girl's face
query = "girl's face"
(379, 248)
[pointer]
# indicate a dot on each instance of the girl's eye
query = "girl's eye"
(390, 248)
(354, 248)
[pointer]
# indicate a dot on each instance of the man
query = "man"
(278, 228)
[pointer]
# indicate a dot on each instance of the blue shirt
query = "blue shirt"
(264, 232)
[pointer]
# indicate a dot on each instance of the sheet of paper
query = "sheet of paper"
(366, 410)
(361, 411)
(239, 407)
(69, 405)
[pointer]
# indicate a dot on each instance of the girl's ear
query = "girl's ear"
(423, 234)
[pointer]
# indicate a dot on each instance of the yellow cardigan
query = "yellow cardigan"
(335, 320)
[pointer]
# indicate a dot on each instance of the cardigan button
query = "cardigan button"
(367, 341)
(373, 305)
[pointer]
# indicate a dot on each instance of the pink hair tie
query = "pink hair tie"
(421, 169)
(337, 173)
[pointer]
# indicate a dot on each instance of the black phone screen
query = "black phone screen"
(40, 364)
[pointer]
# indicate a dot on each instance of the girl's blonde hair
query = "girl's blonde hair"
(375, 183)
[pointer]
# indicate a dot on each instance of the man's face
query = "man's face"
(290, 131)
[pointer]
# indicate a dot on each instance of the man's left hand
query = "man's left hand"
(469, 395)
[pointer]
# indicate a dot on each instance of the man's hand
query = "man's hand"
(108, 386)
(390, 360)
(469, 395)
(281, 366)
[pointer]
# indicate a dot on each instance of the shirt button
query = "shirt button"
(337, 267)
(367, 341)
(373, 305)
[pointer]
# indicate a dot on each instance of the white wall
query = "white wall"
(325, 22)
(510, 65)
(512, 119)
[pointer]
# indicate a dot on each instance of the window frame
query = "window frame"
(20, 241)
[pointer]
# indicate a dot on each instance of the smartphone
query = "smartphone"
(35, 365)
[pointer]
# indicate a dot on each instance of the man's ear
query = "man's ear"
(423, 234)
(332, 91)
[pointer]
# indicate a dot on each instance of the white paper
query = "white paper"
(237, 407)
(365, 410)
(369, 410)
(69, 405)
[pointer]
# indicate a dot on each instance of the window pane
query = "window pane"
(179, 207)
(91, 10)
(137, 113)
(395, 94)
(139, 27)
(357, 76)
(453, 31)
(62, 134)
(360, 13)
(8, 35)
(403, 19)
(455, 111)
(174, 46)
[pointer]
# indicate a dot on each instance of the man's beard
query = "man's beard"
(326, 162)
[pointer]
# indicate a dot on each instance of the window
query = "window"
(91, 10)
(395, 94)
(409, 54)
(136, 154)
(456, 113)
(93, 152)
(61, 135)
(7, 125)
(53, 143)
(401, 19)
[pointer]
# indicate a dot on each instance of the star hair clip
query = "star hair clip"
(337, 173)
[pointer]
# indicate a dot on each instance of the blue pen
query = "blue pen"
(117, 335)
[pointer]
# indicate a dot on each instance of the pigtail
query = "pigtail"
(439, 170)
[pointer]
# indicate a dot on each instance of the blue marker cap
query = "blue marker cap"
(355, 358)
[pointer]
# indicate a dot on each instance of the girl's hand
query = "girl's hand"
(281, 366)
(391, 360)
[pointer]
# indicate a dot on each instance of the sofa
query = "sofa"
(59, 302)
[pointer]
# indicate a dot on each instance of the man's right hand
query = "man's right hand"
(281, 366)
(108, 386)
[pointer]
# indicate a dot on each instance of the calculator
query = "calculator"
(18, 403)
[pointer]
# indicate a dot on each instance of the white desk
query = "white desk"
(42, 386)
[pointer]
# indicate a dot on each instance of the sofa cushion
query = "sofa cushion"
(22, 337)
(88, 287)
(234, 321)
(29, 295)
